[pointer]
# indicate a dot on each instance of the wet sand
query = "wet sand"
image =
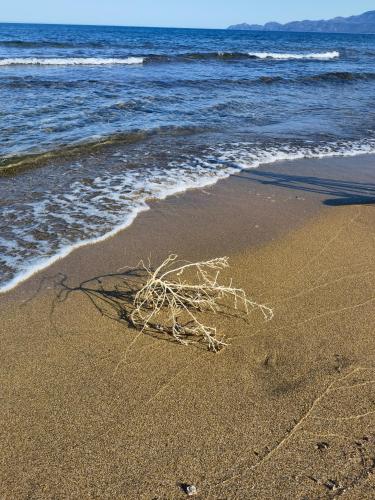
(286, 411)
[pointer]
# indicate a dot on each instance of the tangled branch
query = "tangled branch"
(171, 303)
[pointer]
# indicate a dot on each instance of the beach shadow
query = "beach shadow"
(113, 296)
(340, 192)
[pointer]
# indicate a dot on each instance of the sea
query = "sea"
(97, 121)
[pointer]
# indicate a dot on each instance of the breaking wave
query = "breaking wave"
(320, 56)
(69, 61)
(323, 56)
(160, 58)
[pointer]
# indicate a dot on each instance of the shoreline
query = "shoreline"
(207, 182)
(188, 198)
(65, 252)
(92, 409)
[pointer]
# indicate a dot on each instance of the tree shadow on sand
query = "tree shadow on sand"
(341, 192)
(113, 296)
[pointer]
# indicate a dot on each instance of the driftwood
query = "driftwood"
(176, 293)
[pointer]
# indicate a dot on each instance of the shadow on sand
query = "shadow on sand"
(341, 192)
(113, 295)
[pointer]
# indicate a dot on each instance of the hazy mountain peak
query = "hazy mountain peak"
(364, 23)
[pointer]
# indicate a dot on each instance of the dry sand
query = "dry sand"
(287, 411)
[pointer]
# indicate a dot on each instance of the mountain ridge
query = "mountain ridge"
(361, 24)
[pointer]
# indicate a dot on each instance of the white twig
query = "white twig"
(172, 304)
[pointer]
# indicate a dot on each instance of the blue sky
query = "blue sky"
(178, 13)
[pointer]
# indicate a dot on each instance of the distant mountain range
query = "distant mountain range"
(364, 23)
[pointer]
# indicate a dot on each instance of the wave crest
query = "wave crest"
(70, 61)
(320, 56)
(160, 58)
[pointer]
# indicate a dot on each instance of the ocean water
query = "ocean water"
(96, 121)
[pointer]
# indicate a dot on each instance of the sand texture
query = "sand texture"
(287, 411)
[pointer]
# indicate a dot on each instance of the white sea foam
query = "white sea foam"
(70, 61)
(156, 185)
(323, 56)
(97, 210)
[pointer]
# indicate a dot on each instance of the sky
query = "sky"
(176, 13)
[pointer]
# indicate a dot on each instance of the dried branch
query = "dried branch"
(172, 303)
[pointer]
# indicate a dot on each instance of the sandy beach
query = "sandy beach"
(286, 411)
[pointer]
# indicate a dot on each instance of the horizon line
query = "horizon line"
(164, 27)
(111, 25)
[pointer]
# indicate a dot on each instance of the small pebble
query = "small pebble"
(331, 485)
(191, 490)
